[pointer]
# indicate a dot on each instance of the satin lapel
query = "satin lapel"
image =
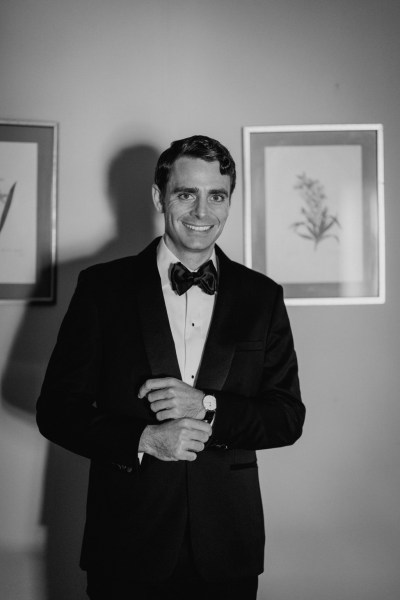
(220, 344)
(158, 340)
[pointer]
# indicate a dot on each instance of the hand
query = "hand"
(171, 398)
(179, 439)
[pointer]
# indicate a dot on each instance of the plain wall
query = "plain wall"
(123, 79)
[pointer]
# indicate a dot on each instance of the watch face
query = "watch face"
(209, 402)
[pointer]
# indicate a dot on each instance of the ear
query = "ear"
(157, 198)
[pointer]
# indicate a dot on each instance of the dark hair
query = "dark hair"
(197, 146)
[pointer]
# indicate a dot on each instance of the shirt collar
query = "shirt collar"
(165, 258)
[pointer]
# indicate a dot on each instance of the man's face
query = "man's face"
(195, 206)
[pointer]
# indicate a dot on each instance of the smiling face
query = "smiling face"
(195, 206)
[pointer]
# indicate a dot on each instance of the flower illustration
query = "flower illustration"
(317, 221)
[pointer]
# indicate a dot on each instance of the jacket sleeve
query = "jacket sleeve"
(273, 417)
(67, 410)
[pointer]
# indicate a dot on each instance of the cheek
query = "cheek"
(172, 215)
(222, 215)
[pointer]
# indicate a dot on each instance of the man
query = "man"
(171, 368)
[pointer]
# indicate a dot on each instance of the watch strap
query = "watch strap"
(209, 416)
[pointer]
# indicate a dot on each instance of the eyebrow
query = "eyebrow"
(188, 190)
(195, 190)
(221, 191)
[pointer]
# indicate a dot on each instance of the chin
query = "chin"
(205, 239)
(198, 247)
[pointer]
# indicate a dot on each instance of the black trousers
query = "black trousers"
(184, 584)
(185, 589)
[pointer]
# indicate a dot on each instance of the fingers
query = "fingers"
(158, 405)
(179, 439)
(196, 446)
(191, 431)
(166, 415)
(197, 425)
(161, 394)
(155, 384)
(198, 437)
(190, 451)
(171, 398)
(192, 441)
(190, 456)
(165, 409)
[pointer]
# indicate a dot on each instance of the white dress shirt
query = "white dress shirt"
(189, 316)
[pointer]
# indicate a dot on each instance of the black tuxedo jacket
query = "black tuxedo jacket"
(116, 335)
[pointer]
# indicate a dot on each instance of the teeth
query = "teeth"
(198, 227)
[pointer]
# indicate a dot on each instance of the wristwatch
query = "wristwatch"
(210, 406)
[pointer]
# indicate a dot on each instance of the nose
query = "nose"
(200, 207)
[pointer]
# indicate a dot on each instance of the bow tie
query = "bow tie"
(182, 279)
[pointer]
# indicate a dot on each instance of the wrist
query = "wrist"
(145, 439)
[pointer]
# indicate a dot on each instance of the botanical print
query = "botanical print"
(5, 203)
(313, 214)
(317, 223)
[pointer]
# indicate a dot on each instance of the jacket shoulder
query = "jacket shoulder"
(104, 281)
(249, 277)
(120, 269)
(113, 268)
(255, 276)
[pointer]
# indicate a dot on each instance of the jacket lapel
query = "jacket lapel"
(157, 336)
(220, 344)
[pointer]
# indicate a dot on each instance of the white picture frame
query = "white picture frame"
(314, 211)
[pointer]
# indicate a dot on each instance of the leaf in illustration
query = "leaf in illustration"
(7, 206)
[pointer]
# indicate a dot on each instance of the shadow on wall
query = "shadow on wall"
(130, 176)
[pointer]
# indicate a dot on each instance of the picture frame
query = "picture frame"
(28, 201)
(314, 211)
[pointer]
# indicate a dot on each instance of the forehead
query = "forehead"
(195, 172)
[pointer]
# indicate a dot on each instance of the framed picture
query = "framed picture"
(28, 174)
(314, 211)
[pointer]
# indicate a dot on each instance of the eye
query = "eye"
(185, 196)
(217, 198)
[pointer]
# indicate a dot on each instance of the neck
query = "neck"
(191, 260)
(194, 262)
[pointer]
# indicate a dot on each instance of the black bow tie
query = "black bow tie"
(182, 279)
